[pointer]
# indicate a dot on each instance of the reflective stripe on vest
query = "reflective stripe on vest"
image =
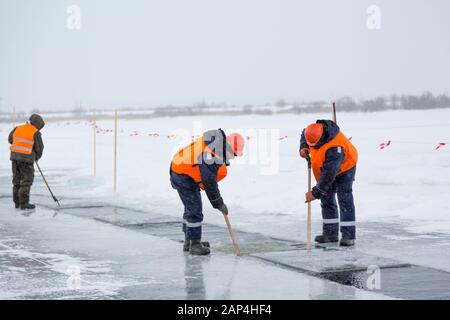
(186, 161)
(318, 155)
(19, 149)
(23, 139)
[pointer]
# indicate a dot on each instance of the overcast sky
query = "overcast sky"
(157, 52)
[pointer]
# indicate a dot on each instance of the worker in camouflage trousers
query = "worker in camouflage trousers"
(333, 160)
(201, 165)
(26, 148)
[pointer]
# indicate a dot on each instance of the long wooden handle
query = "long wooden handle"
(232, 236)
(46, 183)
(334, 112)
(308, 231)
(94, 120)
(115, 152)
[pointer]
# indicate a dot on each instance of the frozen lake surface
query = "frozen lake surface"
(121, 253)
(128, 245)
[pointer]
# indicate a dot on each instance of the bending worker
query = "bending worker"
(26, 148)
(201, 165)
(333, 160)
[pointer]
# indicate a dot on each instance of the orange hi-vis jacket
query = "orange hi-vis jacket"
(318, 155)
(23, 139)
(186, 161)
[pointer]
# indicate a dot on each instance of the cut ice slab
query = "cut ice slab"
(321, 261)
(120, 216)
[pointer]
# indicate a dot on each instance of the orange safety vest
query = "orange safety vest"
(186, 161)
(318, 155)
(23, 139)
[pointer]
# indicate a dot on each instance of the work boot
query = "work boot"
(347, 242)
(27, 206)
(186, 245)
(325, 239)
(198, 249)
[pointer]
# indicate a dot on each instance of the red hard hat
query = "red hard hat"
(237, 143)
(313, 133)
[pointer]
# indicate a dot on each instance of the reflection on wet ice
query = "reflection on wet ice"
(194, 277)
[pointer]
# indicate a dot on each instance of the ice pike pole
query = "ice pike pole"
(308, 159)
(334, 112)
(232, 236)
(48, 187)
(308, 221)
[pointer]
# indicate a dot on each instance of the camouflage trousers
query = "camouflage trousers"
(23, 177)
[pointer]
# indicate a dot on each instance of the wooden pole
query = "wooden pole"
(232, 236)
(94, 125)
(308, 222)
(115, 151)
(334, 112)
(48, 187)
(14, 117)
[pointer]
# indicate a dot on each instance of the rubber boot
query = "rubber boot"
(347, 242)
(198, 249)
(186, 245)
(325, 239)
(27, 206)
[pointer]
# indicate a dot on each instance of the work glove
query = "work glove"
(304, 152)
(224, 209)
(309, 197)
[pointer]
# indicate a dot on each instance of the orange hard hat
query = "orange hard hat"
(313, 133)
(237, 143)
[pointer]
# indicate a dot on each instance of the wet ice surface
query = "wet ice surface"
(132, 254)
(121, 263)
(119, 258)
(325, 261)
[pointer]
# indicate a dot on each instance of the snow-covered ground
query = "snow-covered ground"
(407, 180)
(406, 184)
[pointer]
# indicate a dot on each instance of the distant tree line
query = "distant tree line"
(423, 101)
(396, 102)
(347, 104)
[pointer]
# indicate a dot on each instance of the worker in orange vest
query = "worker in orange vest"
(201, 165)
(333, 160)
(26, 148)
